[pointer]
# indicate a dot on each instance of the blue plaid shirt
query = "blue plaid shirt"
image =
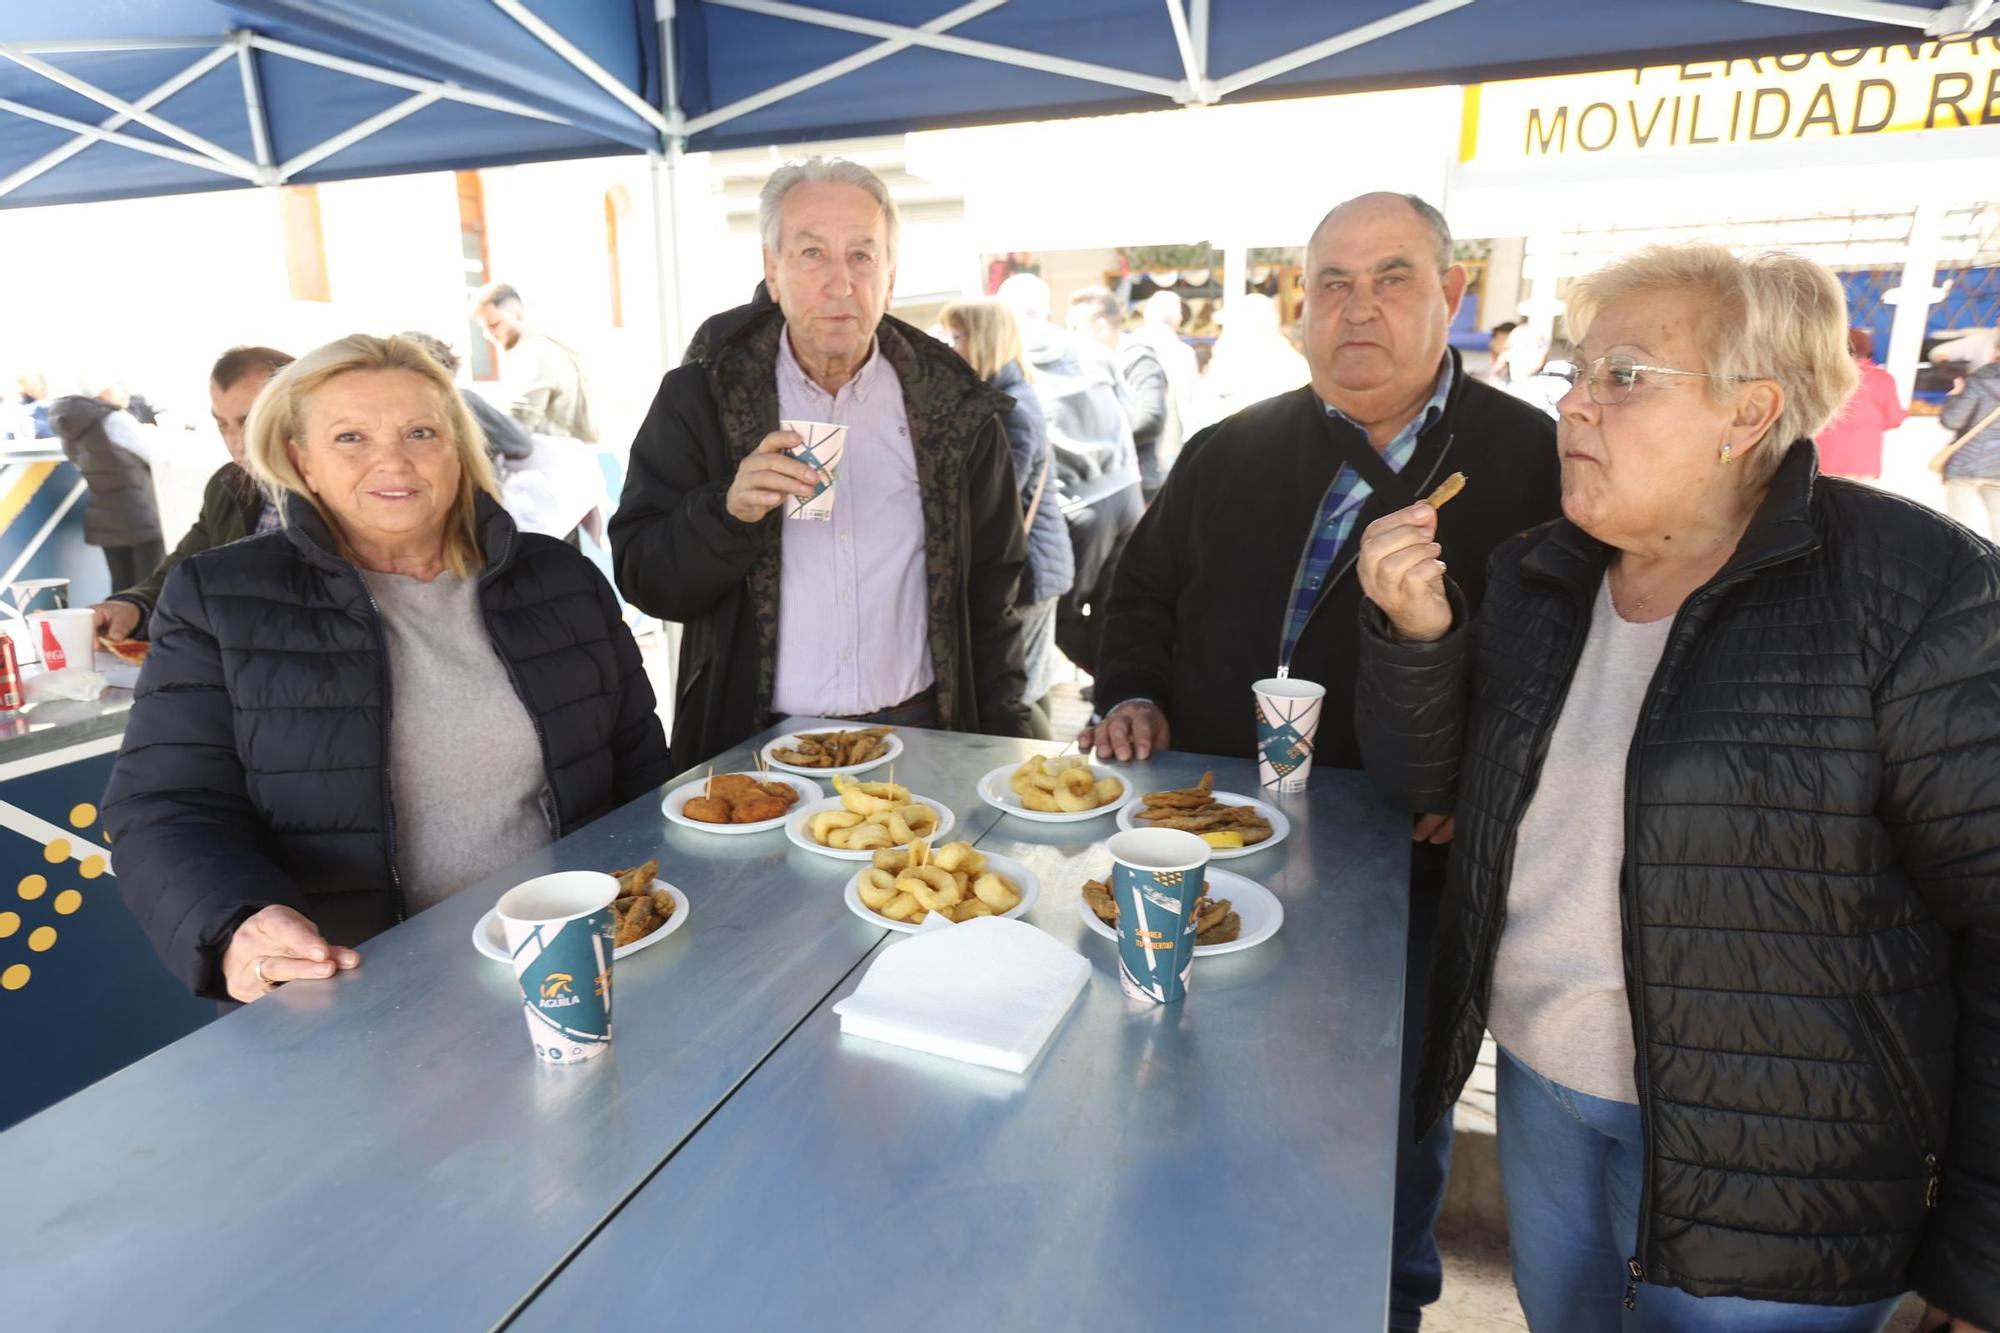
(1340, 507)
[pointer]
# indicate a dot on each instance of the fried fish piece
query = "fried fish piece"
(756, 809)
(1098, 894)
(732, 787)
(1222, 932)
(637, 879)
(636, 920)
(1186, 798)
(1446, 489)
(708, 809)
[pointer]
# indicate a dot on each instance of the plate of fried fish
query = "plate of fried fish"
(1232, 914)
(824, 753)
(648, 909)
(1230, 824)
(732, 803)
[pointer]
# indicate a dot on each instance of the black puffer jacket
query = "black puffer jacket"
(255, 765)
(1811, 891)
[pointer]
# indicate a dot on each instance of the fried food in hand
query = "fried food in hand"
(834, 749)
(1063, 786)
(1446, 489)
(953, 882)
(640, 908)
(739, 798)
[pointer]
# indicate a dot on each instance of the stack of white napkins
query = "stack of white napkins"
(987, 991)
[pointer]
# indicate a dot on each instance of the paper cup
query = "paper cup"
(822, 450)
(1287, 719)
(559, 930)
(1156, 875)
(65, 638)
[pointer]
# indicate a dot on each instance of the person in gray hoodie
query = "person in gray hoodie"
(113, 454)
(1972, 474)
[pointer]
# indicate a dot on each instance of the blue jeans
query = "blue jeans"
(1570, 1166)
(1416, 1271)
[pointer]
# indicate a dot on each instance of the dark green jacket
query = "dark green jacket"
(230, 504)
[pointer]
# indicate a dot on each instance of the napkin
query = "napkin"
(69, 683)
(987, 991)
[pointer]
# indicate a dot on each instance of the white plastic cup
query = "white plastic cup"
(1287, 720)
(66, 638)
(825, 444)
(559, 931)
(1156, 876)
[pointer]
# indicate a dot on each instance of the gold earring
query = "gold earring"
(1725, 453)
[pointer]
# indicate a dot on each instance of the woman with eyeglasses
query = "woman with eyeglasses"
(1724, 748)
(397, 694)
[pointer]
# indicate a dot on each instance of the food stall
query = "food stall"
(384, 1149)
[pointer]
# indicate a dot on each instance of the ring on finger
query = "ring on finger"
(257, 971)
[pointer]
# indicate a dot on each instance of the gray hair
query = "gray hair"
(1428, 215)
(770, 203)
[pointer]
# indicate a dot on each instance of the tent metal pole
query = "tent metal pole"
(449, 91)
(989, 51)
(1198, 31)
(1332, 46)
(253, 98)
(347, 138)
(664, 169)
(55, 157)
(159, 124)
(838, 69)
(81, 45)
(1197, 86)
(98, 135)
(1948, 21)
(582, 63)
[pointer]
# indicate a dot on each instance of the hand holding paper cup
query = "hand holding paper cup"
(1287, 719)
(559, 931)
(822, 450)
(1156, 876)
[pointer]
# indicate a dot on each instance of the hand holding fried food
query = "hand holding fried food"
(1195, 810)
(1446, 489)
(1215, 919)
(953, 882)
(739, 798)
(640, 908)
(1063, 786)
(874, 815)
(834, 749)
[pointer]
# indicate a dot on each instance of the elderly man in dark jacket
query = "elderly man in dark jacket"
(900, 607)
(1243, 567)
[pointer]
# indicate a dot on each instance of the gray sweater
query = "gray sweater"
(465, 763)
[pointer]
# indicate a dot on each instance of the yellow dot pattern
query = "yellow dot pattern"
(9, 923)
(42, 939)
(56, 852)
(67, 902)
(91, 867)
(32, 887)
(14, 977)
(83, 816)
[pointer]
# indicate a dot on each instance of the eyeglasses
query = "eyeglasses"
(1612, 378)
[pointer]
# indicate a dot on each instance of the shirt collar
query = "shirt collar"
(1440, 392)
(864, 381)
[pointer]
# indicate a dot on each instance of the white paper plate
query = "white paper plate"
(1260, 909)
(889, 752)
(807, 789)
(490, 937)
(1281, 827)
(795, 827)
(1024, 880)
(995, 791)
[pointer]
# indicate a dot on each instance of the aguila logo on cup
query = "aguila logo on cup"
(559, 991)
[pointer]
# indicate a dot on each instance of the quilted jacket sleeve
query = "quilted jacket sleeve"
(640, 761)
(1938, 718)
(187, 844)
(1409, 709)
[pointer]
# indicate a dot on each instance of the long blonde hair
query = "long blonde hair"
(992, 336)
(279, 417)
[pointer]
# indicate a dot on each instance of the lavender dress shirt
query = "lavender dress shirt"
(853, 603)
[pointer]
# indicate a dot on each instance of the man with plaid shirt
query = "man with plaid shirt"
(1244, 566)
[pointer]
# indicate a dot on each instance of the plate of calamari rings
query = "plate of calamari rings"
(1063, 790)
(904, 887)
(1230, 824)
(824, 753)
(731, 803)
(865, 818)
(646, 911)
(1246, 918)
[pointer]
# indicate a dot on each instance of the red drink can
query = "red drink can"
(10, 675)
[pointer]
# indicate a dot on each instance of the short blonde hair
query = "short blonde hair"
(992, 335)
(1768, 316)
(279, 418)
